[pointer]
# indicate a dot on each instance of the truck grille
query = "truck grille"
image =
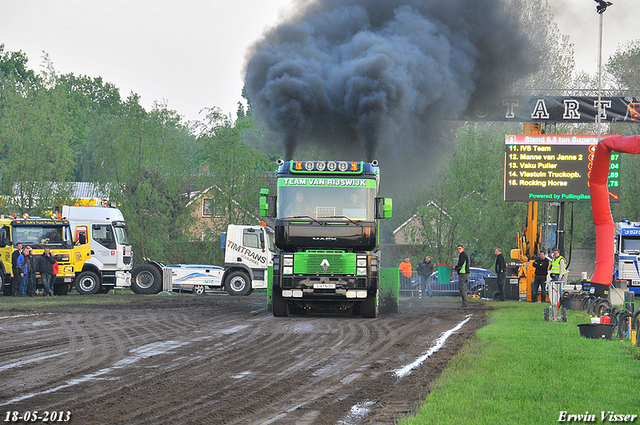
(325, 263)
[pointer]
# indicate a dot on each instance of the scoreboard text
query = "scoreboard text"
(546, 167)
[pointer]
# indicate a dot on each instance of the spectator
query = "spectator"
(31, 282)
(558, 266)
(463, 275)
(45, 265)
(405, 274)
(23, 270)
(15, 282)
(541, 266)
(501, 268)
(425, 268)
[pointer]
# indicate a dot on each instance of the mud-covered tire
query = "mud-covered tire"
(6, 289)
(146, 279)
(280, 305)
(60, 288)
(87, 283)
(238, 283)
(198, 289)
(369, 308)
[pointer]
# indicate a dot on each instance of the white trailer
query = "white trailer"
(110, 261)
(248, 260)
(627, 253)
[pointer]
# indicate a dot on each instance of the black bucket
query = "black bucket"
(596, 330)
(574, 304)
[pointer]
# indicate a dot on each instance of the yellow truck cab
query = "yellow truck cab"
(41, 233)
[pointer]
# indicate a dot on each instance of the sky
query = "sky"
(191, 54)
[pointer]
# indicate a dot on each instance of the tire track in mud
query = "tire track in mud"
(312, 370)
(362, 366)
(91, 346)
(231, 366)
(219, 362)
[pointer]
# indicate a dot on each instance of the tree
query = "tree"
(622, 67)
(464, 202)
(35, 138)
(237, 171)
(142, 154)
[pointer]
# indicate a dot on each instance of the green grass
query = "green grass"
(122, 296)
(522, 370)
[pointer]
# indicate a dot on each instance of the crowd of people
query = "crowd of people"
(543, 268)
(24, 266)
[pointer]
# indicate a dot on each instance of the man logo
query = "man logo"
(325, 265)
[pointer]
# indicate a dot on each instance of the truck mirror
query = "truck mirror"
(82, 238)
(3, 237)
(262, 241)
(384, 208)
(267, 204)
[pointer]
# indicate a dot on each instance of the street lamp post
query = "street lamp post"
(600, 9)
(598, 115)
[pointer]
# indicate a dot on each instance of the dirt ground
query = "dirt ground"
(216, 359)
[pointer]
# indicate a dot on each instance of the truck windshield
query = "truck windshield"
(121, 232)
(630, 244)
(41, 236)
(270, 244)
(327, 203)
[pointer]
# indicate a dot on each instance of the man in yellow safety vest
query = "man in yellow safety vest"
(558, 266)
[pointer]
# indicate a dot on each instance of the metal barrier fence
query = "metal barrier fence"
(413, 287)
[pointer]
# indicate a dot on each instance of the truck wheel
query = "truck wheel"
(369, 308)
(198, 289)
(238, 283)
(280, 305)
(88, 283)
(146, 279)
(60, 288)
(6, 289)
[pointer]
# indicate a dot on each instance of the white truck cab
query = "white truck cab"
(248, 258)
(110, 262)
(248, 265)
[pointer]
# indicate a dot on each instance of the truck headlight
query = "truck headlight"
(287, 270)
(361, 262)
(361, 271)
(287, 261)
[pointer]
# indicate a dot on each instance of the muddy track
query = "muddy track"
(223, 360)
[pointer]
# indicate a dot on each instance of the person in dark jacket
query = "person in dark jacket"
(501, 268)
(541, 266)
(45, 265)
(463, 275)
(425, 268)
(31, 281)
(15, 282)
(23, 270)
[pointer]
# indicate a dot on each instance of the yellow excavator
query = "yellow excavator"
(528, 241)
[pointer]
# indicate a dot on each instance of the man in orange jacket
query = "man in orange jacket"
(405, 274)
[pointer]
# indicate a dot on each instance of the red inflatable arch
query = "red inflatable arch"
(600, 207)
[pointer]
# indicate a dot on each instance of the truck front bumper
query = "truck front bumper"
(319, 288)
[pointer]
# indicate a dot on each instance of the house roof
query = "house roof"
(410, 219)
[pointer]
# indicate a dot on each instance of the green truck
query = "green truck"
(326, 229)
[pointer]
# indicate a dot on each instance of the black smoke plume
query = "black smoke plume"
(372, 77)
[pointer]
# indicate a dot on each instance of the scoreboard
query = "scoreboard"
(547, 167)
